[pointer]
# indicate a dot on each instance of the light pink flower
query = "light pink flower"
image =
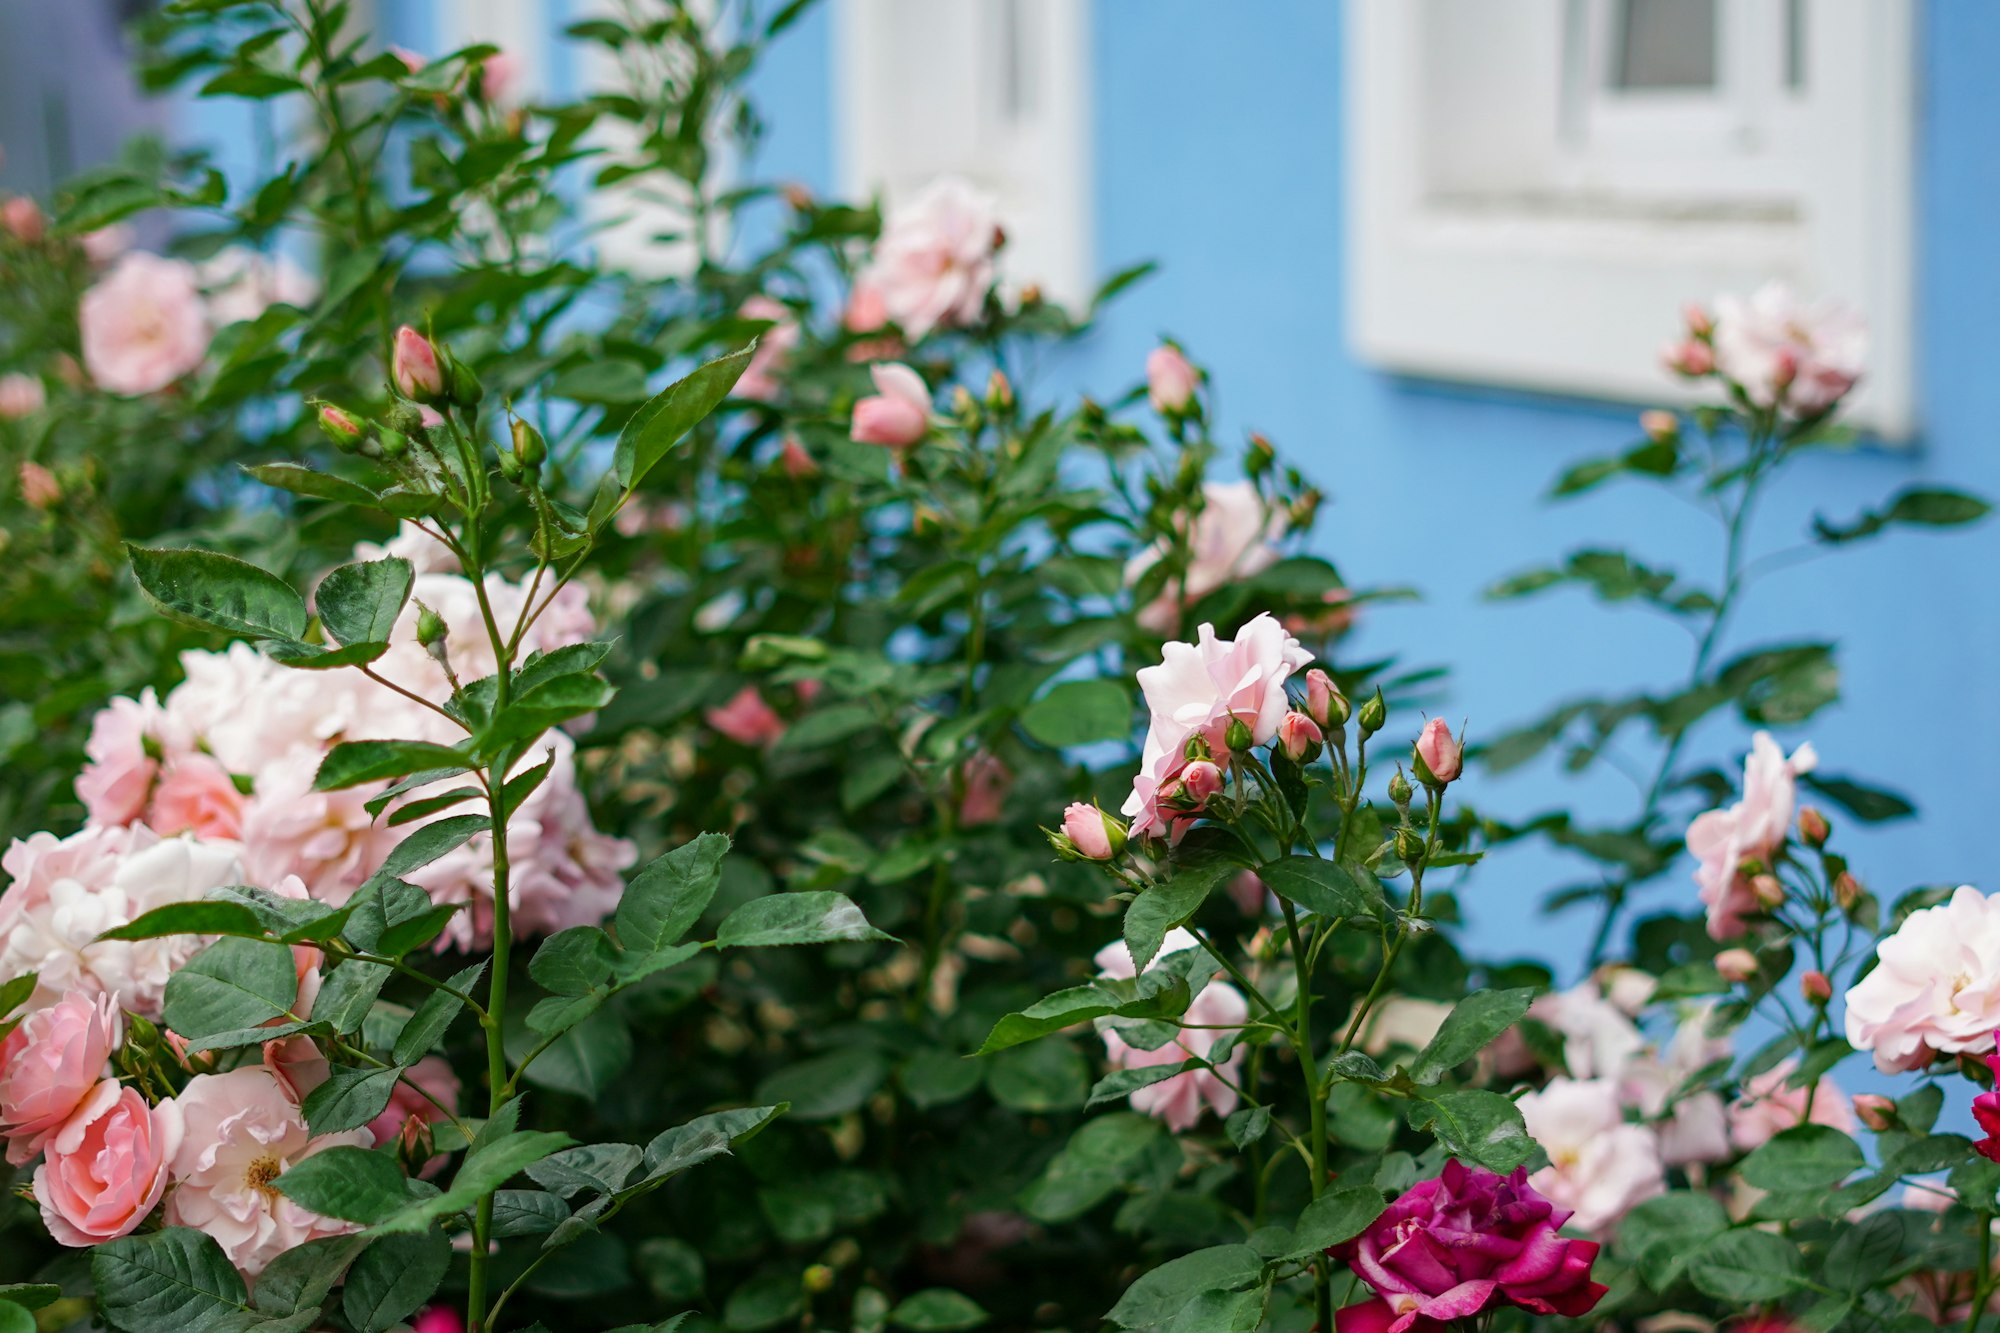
(797, 463)
(142, 325)
(297, 1063)
(197, 795)
(236, 1133)
(39, 487)
(116, 783)
(747, 719)
(933, 265)
(410, 1112)
(248, 712)
(499, 75)
(566, 621)
(50, 1063)
(106, 243)
(21, 396)
(987, 782)
(243, 283)
(1170, 379)
(1443, 754)
(105, 1168)
(21, 217)
(1297, 735)
(326, 838)
(774, 345)
(1935, 988)
(1230, 540)
(414, 368)
(426, 554)
(1767, 1106)
(1180, 1100)
(1084, 826)
(1199, 687)
(1784, 352)
(1753, 828)
(1247, 891)
(899, 412)
(1599, 1165)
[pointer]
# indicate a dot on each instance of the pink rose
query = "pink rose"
(1095, 836)
(1247, 891)
(233, 1134)
(413, 366)
(1231, 539)
(21, 396)
(1298, 736)
(21, 218)
(933, 265)
(1768, 1106)
(116, 783)
(1463, 1243)
(197, 795)
(1600, 1166)
(1783, 352)
(1199, 688)
(297, 1062)
(1324, 699)
(774, 345)
(409, 1114)
(499, 74)
(50, 1063)
(899, 412)
(1441, 754)
(747, 719)
(797, 463)
(1752, 829)
(103, 1171)
(1179, 1100)
(1935, 987)
(1170, 380)
(326, 838)
(987, 782)
(243, 283)
(142, 325)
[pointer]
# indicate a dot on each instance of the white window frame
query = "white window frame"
(1035, 160)
(1574, 289)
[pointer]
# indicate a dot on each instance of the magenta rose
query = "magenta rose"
(1463, 1243)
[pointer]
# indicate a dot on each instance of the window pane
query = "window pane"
(1666, 44)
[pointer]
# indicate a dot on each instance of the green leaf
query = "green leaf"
(305, 481)
(394, 1276)
(1102, 1157)
(1048, 1076)
(1327, 888)
(347, 993)
(527, 1213)
(1865, 1251)
(298, 1280)
(1155, 996)
(668, 896)
(359, 603)
(583, 1060)
(574, 961)
(1158, 1295)
(1870, 805)
(704, 1137)
(1663, 1233)
(177, 1279)
(1480, 1126)
(350, 1098)
(1472, 1024)
(597, 1168)
(938, 1310)
(427, 1026)
(30, 1295)
(1338, 1215)
(1805, 1157)
(429, 842)
(199, 918)
(487, 1167)
(1164, 906)
(1922, 506)
(826, 1086)
(218, 592)
(353, 1184)
(352, 763)
(659, 425)
(233, 984)
(1122, 1083)
(1078, 712)
(1746, 1266)
(817, 916)
(14, 994)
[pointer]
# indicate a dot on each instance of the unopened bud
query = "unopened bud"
(1813, 828)
(510, 467)
(406, 417)
(142, 1032)
(797, 196)
(1768, 891)
(1692, 359)
(1031, 296)
(1847, 891)
(1237, 736)
(1736, 965)
(39, 487)
(818, 1278)
(1299, 737)
(1305, 508)
(1440, 756)
(414, 368)
(21, 218)
(460, 383)
(1090, 833)
(963, 403)
(529, 446)
(394, 443)
(1199, 781)
(999, 392)
(1699, 323)
(1875, 1111)
(1816, 986)
(431, 628)
(1373, 714)
(1660, 425)
(1409, 845)
(1400, 790)
(345, 432)
(1195, 747)
(1257, 459)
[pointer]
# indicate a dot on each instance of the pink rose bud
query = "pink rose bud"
(1813, 828)
(1201, 780)
(1737, 965)
(498, 74)
(21, 396)
(1440, 756)
(22, 219)
(414, 367)
(1096, 835)
(411, 60)
(1299, 737)
(1170, 380)
(999, 391)
(1325, 704)
(1784, 368)
(39, 488)
(1660, 425)
(1692, 359)
(1768, 891)
(345, 432)
(1699, 323)
(1847, 891)
(1816, 987)
(1875, 1111)
(797, 463)
(798, 198)
(898, 414)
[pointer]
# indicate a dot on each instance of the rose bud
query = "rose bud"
(529, 447)
(414, 369)
(22, 219)
(1875, 1111)
(1816, 987)
(1373, 714)
(797, 197)
(1170, 380)
(1325, 704)
(999, 392)
(1257, 459)
(1737, 965)
(1847, 891)
(345, 432)
(899, 412)
(1237, 735)
(1095, 835)
(1201, 780)
(1768, 891)
(1699, 323)
(1440, 756)
(1660, 425)
(1400, 790)
(1299, 738)
(1409, 845)
(39, 487)
(1813, 828)
(797, 463)
(1692, 359)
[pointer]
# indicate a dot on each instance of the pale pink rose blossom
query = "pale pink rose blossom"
(116, 783)
(1179, 1100)
(1298, 735)
(248, 712)
(410, 1112)
(933, 265)
(21, 396)
(1936, 986)
(1767, 1107)
(1170, 379)
(21, 218)
(899, 412)
(104, 1170)
(1247, 891)
(237, 1132)
(1401, 1021)
(412, 61)
(865, 313)
(1599, 1165)
(747, 719)
(143, 325)
(106, 243)
(1753, 828)
(297, 1063)
(1783, 351)
(1084, 826)
(426, 554)
(326, 838)
(1692, 1127)
(197, 795)
(1231, 539)
(1599, 1038)
(499, 77)
(774, 345)
(50, 1063)
(987, 782)
(1199, 687)
(243, 283)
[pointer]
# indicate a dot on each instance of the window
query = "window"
(991, 90)
(1535, 188)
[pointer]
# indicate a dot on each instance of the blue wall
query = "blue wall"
(1218, 149)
